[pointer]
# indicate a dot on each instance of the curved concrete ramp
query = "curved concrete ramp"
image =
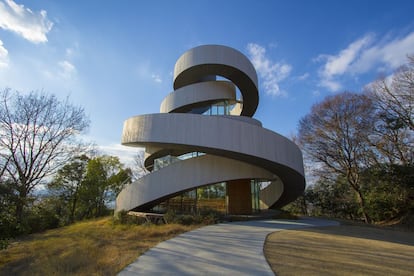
(204, 115)
(222, 249)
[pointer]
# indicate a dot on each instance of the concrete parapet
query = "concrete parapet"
(202, 116)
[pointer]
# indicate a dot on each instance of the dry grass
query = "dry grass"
(341, 250)
(96, 247)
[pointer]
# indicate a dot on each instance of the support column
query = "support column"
(239, 197)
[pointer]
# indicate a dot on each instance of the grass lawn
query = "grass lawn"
(95, 247)
(341, 250)
(98, 247)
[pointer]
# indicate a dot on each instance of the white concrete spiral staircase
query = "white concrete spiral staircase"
(210, 120)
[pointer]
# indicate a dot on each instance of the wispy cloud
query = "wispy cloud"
(271, 72)
(71, 52)
(363, 55)
(156, 78)
(391, 53)
(316, 93)
(4, 56)
(303, 77)
(67, 69)
(32, 26)
(145, 71)
(339, 64)
(330, 84)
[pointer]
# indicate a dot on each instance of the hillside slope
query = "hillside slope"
(94, 247)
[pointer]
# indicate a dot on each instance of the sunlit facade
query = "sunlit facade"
(204, 150)
(211, 198)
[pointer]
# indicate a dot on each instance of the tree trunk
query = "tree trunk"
(361, 201)
(20, 203)
(72, 212)
(19, 211)
(304, 206)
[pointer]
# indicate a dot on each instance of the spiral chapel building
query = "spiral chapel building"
(204, 151)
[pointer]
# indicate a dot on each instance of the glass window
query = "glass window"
(204, 199)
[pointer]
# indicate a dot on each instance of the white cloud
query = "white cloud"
(67, 69)
(69, 52)
(316, 93)
(303, 77)
(362, 56)
(339, 64)
(272, 73)
(72, 52)
(156, 78)
(125, 154)
(32, 26)
(145, 71)
(4, 59)
(332, 85)
(391, 54)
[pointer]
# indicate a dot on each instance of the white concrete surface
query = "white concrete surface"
(205, 60)
(222, 249)
(202, 170)
(191, 96)
(236, 145)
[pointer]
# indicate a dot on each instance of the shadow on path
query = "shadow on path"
(221, 249)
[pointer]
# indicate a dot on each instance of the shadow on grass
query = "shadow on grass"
(366, 232)
(341, 250)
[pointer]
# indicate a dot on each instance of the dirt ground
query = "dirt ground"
(341, 250)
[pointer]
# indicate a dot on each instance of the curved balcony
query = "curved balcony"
(236, 148)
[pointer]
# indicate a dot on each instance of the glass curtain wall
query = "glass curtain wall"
(169, 159)
(205, 199)
(212, 197)
(218, 108)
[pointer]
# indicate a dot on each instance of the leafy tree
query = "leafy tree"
(7, 213)
(37, 136)
(43, 215)
(389, 190)
(104, 179)
(67, 183)
(334, 135)
(299, 206)
(332, 198)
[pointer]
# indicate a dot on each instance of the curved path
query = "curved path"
(221, 249)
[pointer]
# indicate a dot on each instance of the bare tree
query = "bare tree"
(334, 135)
(394, 100)
(139, 166)
(396, 96)
(37, 136)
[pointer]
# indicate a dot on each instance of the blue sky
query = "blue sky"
(115, 58)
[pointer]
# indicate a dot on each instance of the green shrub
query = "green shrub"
(4, 243)
(205, 217)
(122, 217)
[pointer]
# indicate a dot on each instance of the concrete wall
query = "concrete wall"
(236, 147)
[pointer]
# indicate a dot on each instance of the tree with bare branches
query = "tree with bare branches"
(394, 101)
(139, 166)
(38, 134)
(334, 134)
(396, 96)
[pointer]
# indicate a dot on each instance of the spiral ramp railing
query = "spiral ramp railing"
(234, 146)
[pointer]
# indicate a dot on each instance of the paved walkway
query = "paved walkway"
(221, 249)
